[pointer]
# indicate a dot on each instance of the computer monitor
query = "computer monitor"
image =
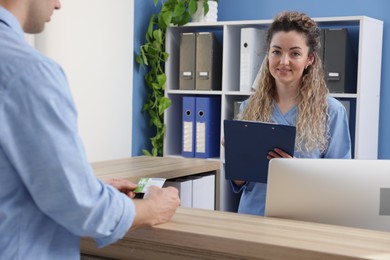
(347, 192)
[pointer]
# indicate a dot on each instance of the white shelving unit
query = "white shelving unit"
(364, 110)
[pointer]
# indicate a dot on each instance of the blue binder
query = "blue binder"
(208, 126)
(188, 133)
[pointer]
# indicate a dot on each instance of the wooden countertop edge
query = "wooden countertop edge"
(144, 166)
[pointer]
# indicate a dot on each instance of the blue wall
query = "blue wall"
(265, 9)
(142, 130)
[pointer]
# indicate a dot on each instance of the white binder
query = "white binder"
(203, 192)
(252, 54)
(195, 191)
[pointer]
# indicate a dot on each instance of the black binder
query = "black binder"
(340, 62)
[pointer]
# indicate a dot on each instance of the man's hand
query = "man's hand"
(124, 186)
(158, 206)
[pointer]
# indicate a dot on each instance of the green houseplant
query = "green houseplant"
(152, 57)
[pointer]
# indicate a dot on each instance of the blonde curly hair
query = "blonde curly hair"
(312, 118)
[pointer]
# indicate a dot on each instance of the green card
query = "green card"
(145, 183)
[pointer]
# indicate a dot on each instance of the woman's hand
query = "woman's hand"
(278, 153)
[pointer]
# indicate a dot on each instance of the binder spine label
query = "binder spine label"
(187, 137)
(200, 137)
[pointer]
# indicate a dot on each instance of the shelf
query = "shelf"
(343, 95)
(193, 92)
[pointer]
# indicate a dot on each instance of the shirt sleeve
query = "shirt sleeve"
(339, 145)
(42, 142)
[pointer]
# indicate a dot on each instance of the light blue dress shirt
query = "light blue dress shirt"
(49, 196)
(253, 195)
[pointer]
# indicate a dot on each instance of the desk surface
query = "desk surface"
(203, 234)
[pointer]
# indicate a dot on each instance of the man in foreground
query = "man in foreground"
(48, 192)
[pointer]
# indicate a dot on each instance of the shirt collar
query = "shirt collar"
(9, 19)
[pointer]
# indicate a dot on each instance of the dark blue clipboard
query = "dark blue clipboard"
(247, 144)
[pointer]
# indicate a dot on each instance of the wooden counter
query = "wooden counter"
(203, 234)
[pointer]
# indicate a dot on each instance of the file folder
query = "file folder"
(208, 62)
(188, 117)
(340, 61)
(247, 144)
(187, 61)
(252, 53)
(208, 126)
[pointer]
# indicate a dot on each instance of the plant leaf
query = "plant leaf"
(164, 56)
(163, 105)
(205, 7)
(179, 10)
(185, 18)
(157, 122)
(146, 152)
(161, 79)
(154, 152)
(143, 56)
(150, 28)
(192, 6)
(166, 18)
(157, 34)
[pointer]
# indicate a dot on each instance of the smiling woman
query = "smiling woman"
(291, 91)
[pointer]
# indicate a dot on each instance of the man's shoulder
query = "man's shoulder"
(16, 52)
(17, 56)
